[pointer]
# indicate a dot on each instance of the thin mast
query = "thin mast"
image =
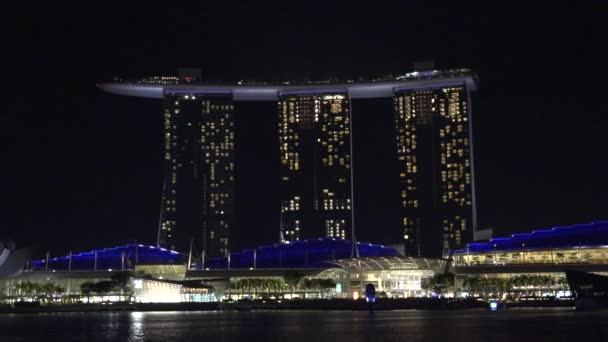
(160, 216)
(190, 254)
(281, 237)
(355, 250)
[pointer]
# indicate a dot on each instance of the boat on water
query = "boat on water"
(590, 290)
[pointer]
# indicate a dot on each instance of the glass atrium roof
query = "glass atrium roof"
(391, 263)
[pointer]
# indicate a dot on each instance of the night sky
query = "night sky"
(82, 169)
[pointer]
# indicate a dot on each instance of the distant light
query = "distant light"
(493, 305)
(109, 270)
(251, 268)
(355, 295)
(138, 283)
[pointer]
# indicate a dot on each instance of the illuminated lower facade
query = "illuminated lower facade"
(577, 244)
(314, 144)
(158, 291)
(434, 148)
(393, 277)
(532, 263)
(198, 193)
(516, 267)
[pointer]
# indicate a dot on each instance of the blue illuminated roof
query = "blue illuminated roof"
(579, 235)
(298, 254)
(112, 258)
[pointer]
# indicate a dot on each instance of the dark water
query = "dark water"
(514, 325)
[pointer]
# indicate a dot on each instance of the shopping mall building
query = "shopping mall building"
(546, 252)
(287, 270)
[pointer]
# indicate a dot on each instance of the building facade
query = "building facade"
(434, 148)
(314, 144)
(198, 193)
(433, 120)
(532, 263)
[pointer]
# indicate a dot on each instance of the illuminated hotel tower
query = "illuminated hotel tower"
(434, 146)
(198, 192)
(314, 138)
(435, 157)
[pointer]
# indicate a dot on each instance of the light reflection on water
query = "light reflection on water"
(136, 327)
(513, 325)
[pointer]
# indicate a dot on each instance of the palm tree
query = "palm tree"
(536, 282)
(86, 289)
(275, 285)
(440, 283)
(255, 284)
(522, 282)
(47, 289)
(508, 285)
(51, 289)
(104, 287)
(292, 279)
(25, 288)
(245, 285)
(472, 284)
(562, 283)
(486, 286)
(327, 284)
(232, 285)
(59, 290)
(266, 285)
(29, 289)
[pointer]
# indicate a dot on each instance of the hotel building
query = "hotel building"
(432, 113)
(434, 148)
(198, 192)
(314, 142)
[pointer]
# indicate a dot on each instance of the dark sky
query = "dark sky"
(82, 169)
